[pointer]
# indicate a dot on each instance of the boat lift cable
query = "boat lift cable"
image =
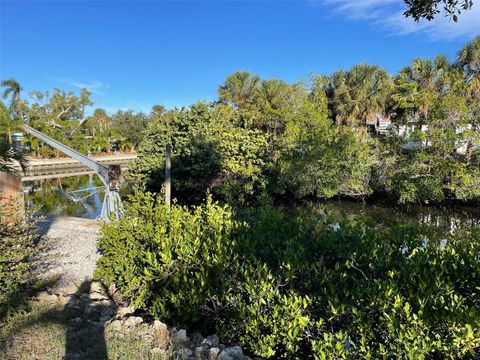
(76, 200)
(86, 189)
(110, 176)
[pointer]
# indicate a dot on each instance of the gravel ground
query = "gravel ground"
(70, 249)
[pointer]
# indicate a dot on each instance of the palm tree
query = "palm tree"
(271, 92)
(239, 89)
(14, 89)
(158, 110)
(429, 77)
(269, 98)
(8, 124)
(100, 118)
(468, 60)
(359, 93)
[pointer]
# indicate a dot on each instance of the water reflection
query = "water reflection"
(444, 220)
(80, 196)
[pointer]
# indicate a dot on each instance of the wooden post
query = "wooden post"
(168, 179)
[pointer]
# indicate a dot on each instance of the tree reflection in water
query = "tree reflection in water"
(67, 196)
(64, 196)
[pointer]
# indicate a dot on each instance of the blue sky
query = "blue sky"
(136, 54)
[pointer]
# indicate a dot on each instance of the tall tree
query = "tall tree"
(239, 89)
(468, 60)
(271, 101)
(101, 119)
(58, 114)
(13, 89)
(359, 93)
(7, 122)
(158, 110)
(129, 127)
(418, 84)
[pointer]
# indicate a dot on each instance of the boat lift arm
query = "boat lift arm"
(112, 202)
(100, 169)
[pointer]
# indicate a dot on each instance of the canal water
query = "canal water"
(82, 196)
(440, 219)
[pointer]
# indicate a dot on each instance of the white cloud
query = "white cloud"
(388, 15)
(94, 86)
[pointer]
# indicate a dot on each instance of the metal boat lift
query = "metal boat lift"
(110, 176)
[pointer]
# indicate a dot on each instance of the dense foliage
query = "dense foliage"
(17, 251)
(324, 138)
(414, 137)
(292, 285)
(62, 115)
(210, 150)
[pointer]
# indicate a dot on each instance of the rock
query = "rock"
(213, 353)
(130, 322)
(201, 352)
(212, 340)
(76, 320)
(124, 311)
(196, 338)
(107, 312)
(116, 295)
(64, 300)
(231, 353)
(98, 292)
(160, 334)
(104, 319)
(98, 297)
(141, 330)
(64, 291)
(73, 305)
(115, 325)
(180, 336)
(184, 353)
(92, 313)
(85, 297)
(138, 320)
(159, 326)
(107, 303)
(96, 287)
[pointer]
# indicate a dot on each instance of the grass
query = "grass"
(46, 331)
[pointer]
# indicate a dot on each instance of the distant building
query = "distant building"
(378, 124)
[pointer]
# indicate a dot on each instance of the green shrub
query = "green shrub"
(294, 284)
(17, 252)
(210, 151)
(176, 262)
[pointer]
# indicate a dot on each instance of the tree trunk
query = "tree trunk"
(19, 107)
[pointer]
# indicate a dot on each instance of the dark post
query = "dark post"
(168, 180)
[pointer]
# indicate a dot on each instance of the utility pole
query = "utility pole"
(168, 178)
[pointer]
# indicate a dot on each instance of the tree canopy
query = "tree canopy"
(428, 9)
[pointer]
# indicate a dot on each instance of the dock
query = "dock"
(41, 169)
